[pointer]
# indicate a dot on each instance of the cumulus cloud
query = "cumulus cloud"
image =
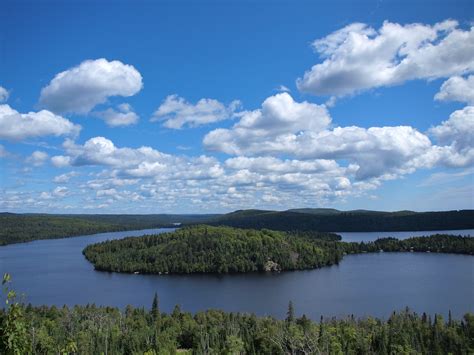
(63, 178)
(60, 161)
(176, 113)
(37, 158)
(18, 126)
(302, 130)
(358, 57)
(457, 88)
(149, 176)
(456, 138)
(273, 164)
(80, 89)
(266, 129)
(123, 116)
(4, 94)
(61, 191)
(141, 162)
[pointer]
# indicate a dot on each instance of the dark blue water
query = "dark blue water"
(55, 272)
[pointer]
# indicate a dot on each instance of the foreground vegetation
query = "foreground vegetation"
(107, 330)
(207, 249)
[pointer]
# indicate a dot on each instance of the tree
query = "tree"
(155, 310)
(290, 315)
(13, 331)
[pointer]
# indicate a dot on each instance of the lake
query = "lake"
(371, 236)
(54, 272)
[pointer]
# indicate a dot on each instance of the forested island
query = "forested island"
(107, 330)
(209, 249)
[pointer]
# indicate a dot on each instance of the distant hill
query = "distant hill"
(17, 228)
(330, 220)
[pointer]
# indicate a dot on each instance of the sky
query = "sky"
(214, 106)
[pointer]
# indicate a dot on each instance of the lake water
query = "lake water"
(371, 236)
(55, 272)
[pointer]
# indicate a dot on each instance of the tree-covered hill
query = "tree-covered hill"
(208, 249)
(438, 243)
(326, 220)
(17, 228)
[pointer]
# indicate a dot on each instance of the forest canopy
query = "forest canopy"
(107, 330)
(208, 249)
(16, 228)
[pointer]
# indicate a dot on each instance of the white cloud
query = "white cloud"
(80, 89)
(143, 162)
(283, 88)
(123, 116)
(152, 177)
(358, 57)
(301, 130)
(457, 88)
(61, 161)
(279, 115)
(63, 178)
(4, 94)
(272, 164)
(37, 158)
(61, 191)
(456, 137)
(18, 126)
(175, 112)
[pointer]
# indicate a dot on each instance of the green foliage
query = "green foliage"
(17, 228)
(13, 332)
(105, 330)
(438, 243)
(207, 249)
(324, 220)
(25, 228)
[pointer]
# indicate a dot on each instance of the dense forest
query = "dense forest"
(106, 330)
(208, 249)
(438, 243)
(16, 228)
(327, 220)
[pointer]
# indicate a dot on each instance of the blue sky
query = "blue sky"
(213, 106)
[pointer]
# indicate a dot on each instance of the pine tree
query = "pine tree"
(155, 310)
(290, 315)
